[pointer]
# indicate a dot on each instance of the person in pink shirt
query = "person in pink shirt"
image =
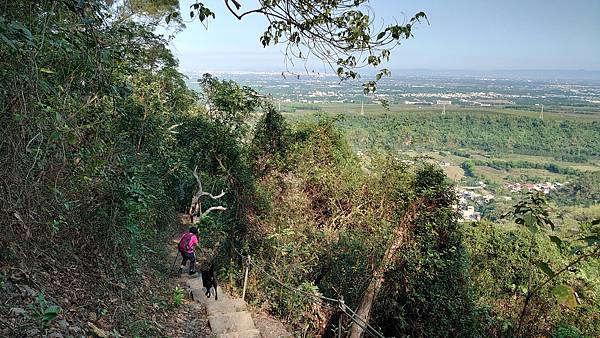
(186, 246)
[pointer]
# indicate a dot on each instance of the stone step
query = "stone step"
(241, 334)
(197, 288)
(231, 322)
(269, 327)
(225, 306)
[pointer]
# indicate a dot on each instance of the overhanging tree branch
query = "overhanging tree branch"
(238, 6)
(341, 33)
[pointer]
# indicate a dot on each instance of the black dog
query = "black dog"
(210, 281)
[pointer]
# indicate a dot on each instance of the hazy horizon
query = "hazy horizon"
(516, 74)
(463, 35)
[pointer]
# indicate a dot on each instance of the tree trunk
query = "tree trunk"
(398, 240)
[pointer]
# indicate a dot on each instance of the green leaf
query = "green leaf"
(550, 223)
(565, 295)
(48, 317)
(53, 309)
(545, 268)
(47, 71)
(529, 219)
(55, 135)
(8, 41)
(591, 240)
(380, 35)
(556, 241)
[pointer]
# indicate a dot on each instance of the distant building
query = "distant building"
(469, 214)
(488, 198)
(543, 187)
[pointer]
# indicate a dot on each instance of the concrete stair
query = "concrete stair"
(231, 322)
(226, 306)
(242, 334)
(228, 317)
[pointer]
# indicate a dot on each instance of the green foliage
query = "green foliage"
(337, 32)
(178, 295)
(42, 312)
(566, 331)
(469, 168)
(229, 104)
(429, 282)
(584, 190)
(502, 268)
(505, 165)
(493, 133)
(96, 135)
(500, 272)
(532, 212)
(271, 142)
(565, 295)
(99, 138)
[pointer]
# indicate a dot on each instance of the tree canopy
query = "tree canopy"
(344, 34)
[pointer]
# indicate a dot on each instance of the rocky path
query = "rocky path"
(230, 317)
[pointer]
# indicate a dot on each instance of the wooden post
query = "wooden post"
(246, 278)
(341, 317)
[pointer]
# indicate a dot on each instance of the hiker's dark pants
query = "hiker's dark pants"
(189, 257)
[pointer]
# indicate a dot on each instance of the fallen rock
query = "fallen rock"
(9, 287)
(75, 329)
(63, 324)
(27, 291)
(33, 332)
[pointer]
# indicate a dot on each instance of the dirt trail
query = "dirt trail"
(191, 319)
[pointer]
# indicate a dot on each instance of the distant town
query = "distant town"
(421, 91)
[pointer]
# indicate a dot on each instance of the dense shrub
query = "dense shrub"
(427, 292)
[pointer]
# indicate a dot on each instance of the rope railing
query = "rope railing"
(337, 303)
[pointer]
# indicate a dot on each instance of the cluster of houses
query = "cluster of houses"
(544, 187)
(466, 197)
(469, 198)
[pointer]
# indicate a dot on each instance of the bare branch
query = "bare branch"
(238, 6)
(212, 196)
(220, 208)
(196, 205)
(198, 179)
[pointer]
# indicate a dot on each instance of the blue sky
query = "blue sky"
(463, 34)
